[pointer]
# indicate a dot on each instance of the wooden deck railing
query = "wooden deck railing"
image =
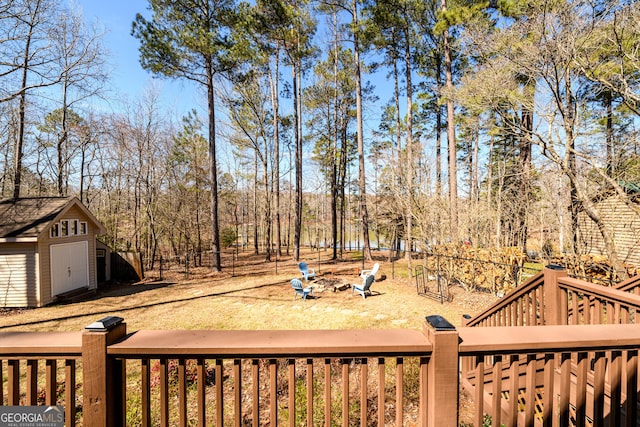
(552, 375)
(524, 306)
(551, 299)
(49, 369)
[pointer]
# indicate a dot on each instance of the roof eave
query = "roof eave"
(18, 239)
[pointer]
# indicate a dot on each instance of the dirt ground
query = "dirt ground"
(253, 294)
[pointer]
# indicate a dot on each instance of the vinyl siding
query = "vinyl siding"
(18, 275)
(45, 241)
(622, 222)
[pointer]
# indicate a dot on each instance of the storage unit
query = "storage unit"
(47, 248)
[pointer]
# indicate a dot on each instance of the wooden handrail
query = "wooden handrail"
(266, 344)
(557, 338)
(40, 344)
(512, 297)
(610, 294)
(632, 284)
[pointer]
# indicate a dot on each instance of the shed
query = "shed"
(621, 219)
(47, 248)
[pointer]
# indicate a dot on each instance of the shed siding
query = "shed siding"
(18, 275)
(624, 225)
(46, 241)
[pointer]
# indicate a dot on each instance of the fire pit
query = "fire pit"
(333, 284)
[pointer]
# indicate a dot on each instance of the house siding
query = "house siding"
(623, 224)
(18, 275)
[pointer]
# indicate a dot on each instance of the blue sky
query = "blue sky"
(128, 79)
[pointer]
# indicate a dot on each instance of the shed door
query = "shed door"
(69, 267)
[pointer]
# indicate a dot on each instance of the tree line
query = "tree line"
(495, 123)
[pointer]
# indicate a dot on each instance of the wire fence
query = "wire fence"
(441, 271)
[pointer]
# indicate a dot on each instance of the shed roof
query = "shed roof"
(29, 216)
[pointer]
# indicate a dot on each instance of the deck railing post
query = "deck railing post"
(442, 373)
(102, 376)
(552, 293)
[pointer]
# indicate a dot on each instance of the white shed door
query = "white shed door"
(69, 267)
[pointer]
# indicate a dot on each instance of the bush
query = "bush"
(228, 236)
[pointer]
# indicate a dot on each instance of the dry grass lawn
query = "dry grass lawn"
(252, 296)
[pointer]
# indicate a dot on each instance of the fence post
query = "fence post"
(102, 377)
(552, 294)
(443, 373)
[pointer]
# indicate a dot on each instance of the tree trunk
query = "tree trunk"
(451, 138)
(410, 173)
(19, 151)
(364, 216)
(526, 142)
(275, 102)
(298, 154)
(216, 264)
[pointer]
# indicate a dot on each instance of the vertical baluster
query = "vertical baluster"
(610, 312)
(237, 392)
(292, 392)
(564, 306)
(327, 392)
(540, 309)
(182, 392)
(423, 383)
(201, 392)
(586, 310)
(70, 392)
(479, 391)
(581, 389)
(345, 392)
(624, 315)
(164, 393)
(13, 383)
(565, 389)
(549, 392)
(616, 313)
(273, 392)
(381, 391)
(597, 311)
(575, 309)
(496, 397)
(1, 382)
(364, 375)
(255, 392)
(631, 413)
(514, 365)
(32, 382)
(399, 391)
(146, 392)
(530, 391)
(51, 382)
(599, 379)
(310, 392)
(219, 393)
(615, 372)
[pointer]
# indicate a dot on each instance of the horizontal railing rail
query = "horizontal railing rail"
(632, 285)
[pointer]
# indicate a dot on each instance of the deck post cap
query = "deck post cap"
(104, 324)
(439, 323)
